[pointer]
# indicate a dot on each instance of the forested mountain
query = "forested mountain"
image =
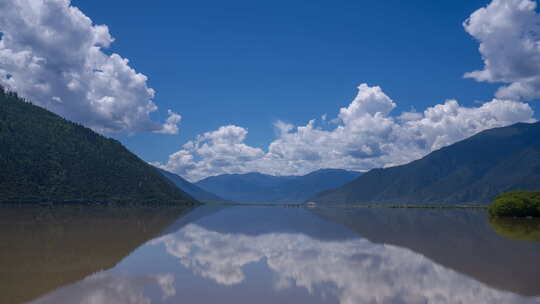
(45, 158)
(191, 189)
(262, 188)
(474, 170)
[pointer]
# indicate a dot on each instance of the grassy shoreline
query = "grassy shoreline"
(406, 206)
(232, 204)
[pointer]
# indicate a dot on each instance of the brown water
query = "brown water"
(265, 255)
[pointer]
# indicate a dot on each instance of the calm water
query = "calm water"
(266, 255)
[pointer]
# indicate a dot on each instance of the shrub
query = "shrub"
(516, 204)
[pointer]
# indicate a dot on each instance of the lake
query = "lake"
(250, 254)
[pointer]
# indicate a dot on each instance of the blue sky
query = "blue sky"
(250, 63)
(252, 74)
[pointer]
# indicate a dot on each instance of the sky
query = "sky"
(284, 87)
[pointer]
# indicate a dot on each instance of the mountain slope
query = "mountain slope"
(474, 170)
(262, 188)
(45, 158)
(191, 189)
(249, 187)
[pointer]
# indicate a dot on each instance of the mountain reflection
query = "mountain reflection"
(356, 270)
(262, 255)
(42, 249)
(462, 240)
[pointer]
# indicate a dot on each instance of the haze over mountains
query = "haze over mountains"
(262, 188)
(191, 189)
(474, 170)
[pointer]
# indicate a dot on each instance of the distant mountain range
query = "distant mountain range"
(262, 188)
(191, 189)
(474, 170)
(45, 158)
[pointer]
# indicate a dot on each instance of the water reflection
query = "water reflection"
(42, 249)
(462, 240)
(355, 271)
(108, 288)
(517, 228)
(274, 255)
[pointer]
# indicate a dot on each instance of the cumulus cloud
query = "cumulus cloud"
(369, 101)
(216, 152)
(52, 54)
(171, 124)
(508, 32)
(358, 270)
(366, 135)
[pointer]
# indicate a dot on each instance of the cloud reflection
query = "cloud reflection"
(359, 271)
(105, 287)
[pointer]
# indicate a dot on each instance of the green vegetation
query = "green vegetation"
(47, 159)
(517, 229)
(516, 204)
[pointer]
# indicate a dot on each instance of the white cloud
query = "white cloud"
(52, 54)
(369, 101)
(171, 124)
(218, 152)
(509, 36)
(365, 136)
(166, 284)
(105, 287)
(358, 270)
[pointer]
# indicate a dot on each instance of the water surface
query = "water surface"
(264, 255)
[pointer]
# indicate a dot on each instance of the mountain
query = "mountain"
(45, 158)
(301, 188)
(191, 189)
(262, 188)
(474, 170)
(249, 187)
